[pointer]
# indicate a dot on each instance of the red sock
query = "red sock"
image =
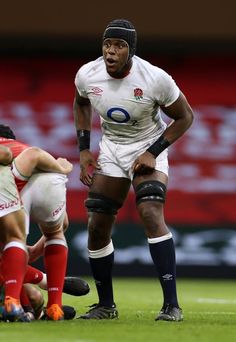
(14, 262)
(33, 275)
(55, 260)
(1, 277)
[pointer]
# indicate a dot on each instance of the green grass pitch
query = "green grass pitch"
(209, 315)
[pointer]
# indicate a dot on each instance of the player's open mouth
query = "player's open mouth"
(110, 62)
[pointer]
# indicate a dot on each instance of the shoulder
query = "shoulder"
(161, 85)
(89, 68)
(150, 70)
(16, 146)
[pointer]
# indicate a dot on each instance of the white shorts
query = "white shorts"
(116, 160)
(9, 196)
(44, 198)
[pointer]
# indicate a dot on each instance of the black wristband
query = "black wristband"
(160, 145)
(83, 137)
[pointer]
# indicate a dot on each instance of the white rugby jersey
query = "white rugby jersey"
(128, 107)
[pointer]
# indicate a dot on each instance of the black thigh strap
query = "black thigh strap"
(150, 191)
(101, 204)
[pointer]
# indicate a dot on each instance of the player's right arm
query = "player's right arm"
(82, 111)
(34, 159)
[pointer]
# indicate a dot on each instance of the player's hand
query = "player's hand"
(144, 164)
(33, 254)
(66, 166)
(87, 166)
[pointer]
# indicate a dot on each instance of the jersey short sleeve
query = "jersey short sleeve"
(80, 81)
(167, 89)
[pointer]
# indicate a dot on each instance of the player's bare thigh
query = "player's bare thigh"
(56, 228)
(115, 188)
(12, 227)
(155, 176)
(12, 220)
(9, 196)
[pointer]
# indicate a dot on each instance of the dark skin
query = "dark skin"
(115, 54)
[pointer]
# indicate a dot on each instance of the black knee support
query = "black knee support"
(150, 191)
(101, 204)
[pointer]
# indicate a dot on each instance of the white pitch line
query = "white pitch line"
(216, 301)
(230, 313)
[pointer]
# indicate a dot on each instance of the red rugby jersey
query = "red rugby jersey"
(16, 147)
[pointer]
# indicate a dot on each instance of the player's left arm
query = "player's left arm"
(182, 115)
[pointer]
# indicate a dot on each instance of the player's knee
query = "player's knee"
(36, 299)
(34, 294)
(151, 214)
(150, 191)
(52, 229)
(98, 228)
(65, 224)
(101, 204)
(14, 227)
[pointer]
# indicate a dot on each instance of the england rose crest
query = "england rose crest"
(138, 93)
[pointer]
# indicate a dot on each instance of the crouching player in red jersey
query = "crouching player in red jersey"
(12, 233)
(44, 198)
(12, 236)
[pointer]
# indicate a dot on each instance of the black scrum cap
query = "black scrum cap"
(122, 29)
(6, 132)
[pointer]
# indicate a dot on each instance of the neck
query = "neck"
(124, 71)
